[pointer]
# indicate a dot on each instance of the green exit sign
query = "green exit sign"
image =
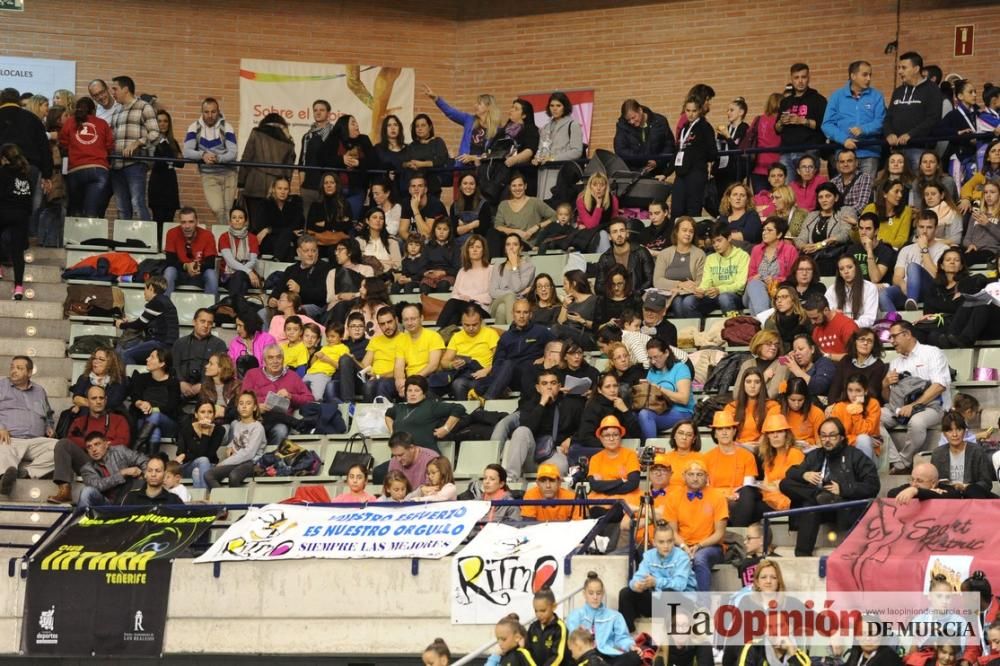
(12, 5)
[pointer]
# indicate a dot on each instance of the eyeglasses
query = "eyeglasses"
(829, 435)
(867, 341)
(806, 167)
(681, 434)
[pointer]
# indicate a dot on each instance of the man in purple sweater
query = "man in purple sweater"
(277, 381)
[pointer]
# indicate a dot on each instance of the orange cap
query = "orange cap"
(723, 419)
(662, 460)
(775, 423)
(548, 471)
(610, 421)
(691, 464)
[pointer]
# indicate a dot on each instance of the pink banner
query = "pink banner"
(900, 547)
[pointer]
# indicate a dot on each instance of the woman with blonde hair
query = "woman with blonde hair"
(478, 127)
(66, 99)
(596, 205)
(786, 208)
(38, 105)
(765, 350)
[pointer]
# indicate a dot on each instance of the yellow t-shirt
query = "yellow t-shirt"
(334, 352)
(295, 355)
(479, 348)
(383, 351)
(417, 352)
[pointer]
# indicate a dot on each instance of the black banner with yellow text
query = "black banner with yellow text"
(100, 587)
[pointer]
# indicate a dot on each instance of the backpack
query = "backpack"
(289, 459)
(723, 375)
(705, 409)
(94, 300)
(740, 330)
(88, 344)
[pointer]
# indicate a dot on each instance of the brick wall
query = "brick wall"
(183, 50)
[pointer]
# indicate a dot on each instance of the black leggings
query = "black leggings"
(15, 237)
(689, 193)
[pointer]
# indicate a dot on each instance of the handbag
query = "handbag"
(651, 397)
(545, 446)
(131, 337)
(369, 418)
(344, 460)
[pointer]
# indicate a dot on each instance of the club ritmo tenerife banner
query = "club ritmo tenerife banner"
(101, 585)
(367, 92)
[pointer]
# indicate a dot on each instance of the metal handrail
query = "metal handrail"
(771, 515)
(921, 142)
(467, 659)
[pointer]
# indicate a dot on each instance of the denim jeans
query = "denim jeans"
(51, 222)
(137, 354)
(702, 563)
(129, 184)
(868, 165)
(208, 280)
(88, 191)
(196, 470)
(724, 302)
(756, 297)
(892, 298)
(91, 496)
(650, 423)
(163, 426)
(913, 157)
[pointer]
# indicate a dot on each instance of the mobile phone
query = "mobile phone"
(783, 360)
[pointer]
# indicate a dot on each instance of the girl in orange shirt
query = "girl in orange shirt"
(861, 415)
(685, 442)
(801, 412)
(732, 470)
(778, 452)
(750, 408)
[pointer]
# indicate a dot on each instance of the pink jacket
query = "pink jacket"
(593, 219)
(787, 254)
(805, 197)
(766, 138)
(298, 394)
(238, 348)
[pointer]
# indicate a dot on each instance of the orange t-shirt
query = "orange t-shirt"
(868, 422)
(696, 518)
(603, 467)
(749, 432)
(805, 428)
(776, 472)
(727, 471)
(550, 514)
(678, 462)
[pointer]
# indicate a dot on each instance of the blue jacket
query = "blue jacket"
(843, 112)
(522, 345)
(672, 572)
(466, 120)
(608, 626)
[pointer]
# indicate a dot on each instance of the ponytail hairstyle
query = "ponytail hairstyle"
(513, 622)
(545, 594)
(439, 648)
(978, 582)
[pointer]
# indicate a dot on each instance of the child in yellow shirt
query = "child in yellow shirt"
(296, 352)
(324, 362)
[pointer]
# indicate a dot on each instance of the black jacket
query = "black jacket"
(978, 466)
(853, 471)
(640, 267)
(596, 409)
(913, 110)
(196, 446)
(166, 395)
(311, 281)
(884, 656)
(138, 497)
(158, 320)
(636, 145)
(548, 645)
(812, 105)
(699, 147)
(23, 128)
(538, 419)
(15, 197)
(334, 149)
(191, 354)
(922, 494)
(313, 154)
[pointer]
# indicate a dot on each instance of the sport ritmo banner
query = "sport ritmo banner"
(101, 586)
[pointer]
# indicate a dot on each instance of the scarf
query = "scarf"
(513, 130)
(100, 381)
(239, 243)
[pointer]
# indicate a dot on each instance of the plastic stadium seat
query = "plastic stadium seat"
(474, 456)
(144, 230)
(271, 493)
(553, 264)
(227, 495)
(135, 302)
(961, 361)
(78, 229)
(188, 302)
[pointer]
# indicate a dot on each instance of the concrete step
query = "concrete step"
(55, 387)
(31, 309)
(45, 255)
(34, 347)
(35, 273)
(36, 291)
(45, 367)
(32, 492)
(60, 404)
(34, 328)
(41, 519)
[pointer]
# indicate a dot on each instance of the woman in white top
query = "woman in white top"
(851, 294)
(382, 199)
(375, 241)
(938, 199)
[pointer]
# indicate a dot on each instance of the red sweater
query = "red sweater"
(114, 427)
(88, 144)
(202, 247)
